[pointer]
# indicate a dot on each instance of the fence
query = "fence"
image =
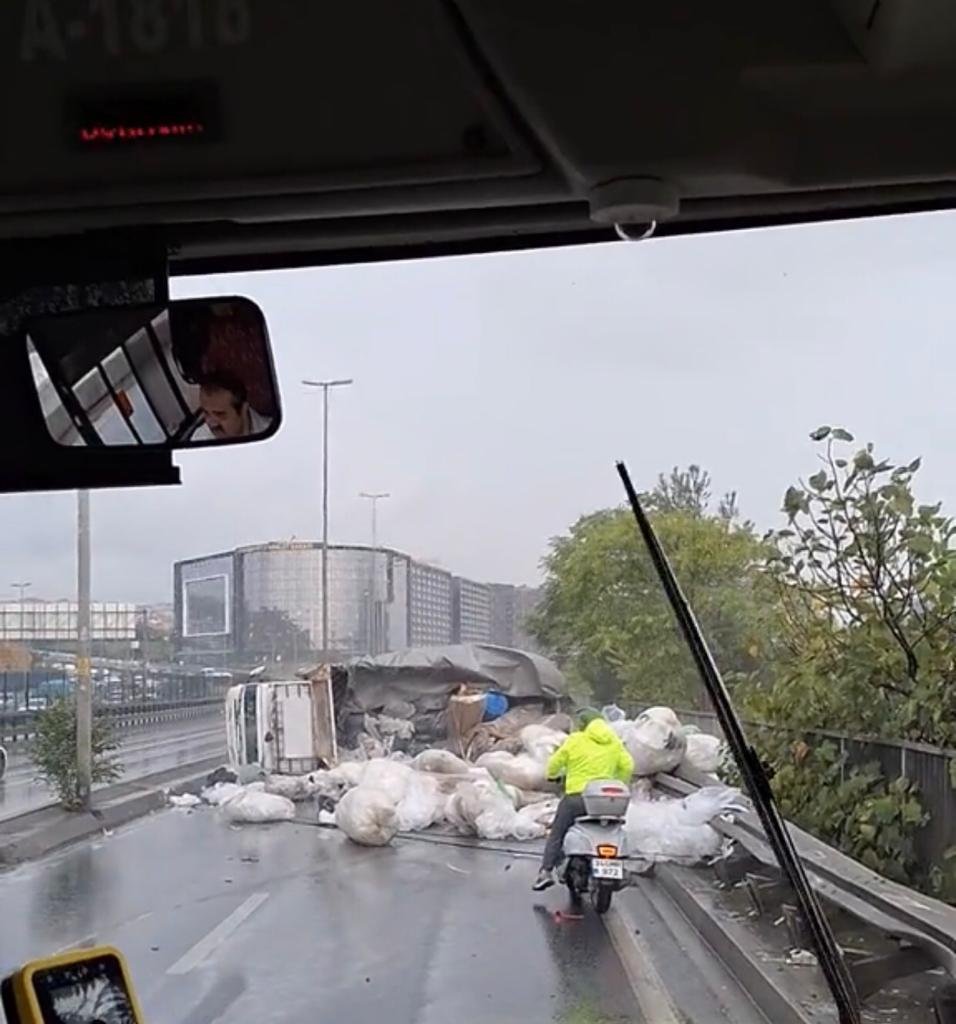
(927, 766)
(130, 700)
(18, 726)
(28, 691)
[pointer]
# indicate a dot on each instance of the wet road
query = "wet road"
(292, 923)
(143, 751)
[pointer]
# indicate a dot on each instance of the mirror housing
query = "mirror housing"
(163, 376)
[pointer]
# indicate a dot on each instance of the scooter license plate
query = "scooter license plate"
(612, 869)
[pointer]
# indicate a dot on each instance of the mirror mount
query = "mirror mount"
(114, 268)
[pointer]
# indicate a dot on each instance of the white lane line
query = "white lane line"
(192, 958)
(649, 989)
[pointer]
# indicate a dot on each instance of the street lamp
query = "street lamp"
(21, 587)
(325, 385)
(373, 581)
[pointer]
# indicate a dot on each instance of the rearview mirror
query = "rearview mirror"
(182, 374)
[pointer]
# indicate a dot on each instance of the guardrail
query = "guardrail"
(931, 768)
(922, 929)
(17, 726)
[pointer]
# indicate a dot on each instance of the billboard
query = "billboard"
(206, 606)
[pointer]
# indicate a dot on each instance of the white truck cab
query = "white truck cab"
(283, 727)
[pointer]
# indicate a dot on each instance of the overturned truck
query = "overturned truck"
(468, 698)
(453, 696)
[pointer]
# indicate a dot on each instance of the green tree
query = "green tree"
(605, 617)
(867, 581)
(53, 751)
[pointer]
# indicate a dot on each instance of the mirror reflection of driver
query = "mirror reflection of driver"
(225, 409)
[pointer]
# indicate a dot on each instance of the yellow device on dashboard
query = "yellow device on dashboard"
(83, 986)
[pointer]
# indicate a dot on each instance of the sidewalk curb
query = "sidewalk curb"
(649, 990)
(56, 828)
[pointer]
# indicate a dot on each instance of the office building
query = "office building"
(471, 611)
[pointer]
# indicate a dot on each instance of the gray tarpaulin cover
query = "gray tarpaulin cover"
(427, 675)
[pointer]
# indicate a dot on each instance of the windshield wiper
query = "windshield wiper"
(755, 778)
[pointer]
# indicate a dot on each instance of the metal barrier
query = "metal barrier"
(931, 768)
(17, 726)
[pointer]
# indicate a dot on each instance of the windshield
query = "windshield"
(367, 694)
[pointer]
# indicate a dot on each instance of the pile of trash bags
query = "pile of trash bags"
(500, 792)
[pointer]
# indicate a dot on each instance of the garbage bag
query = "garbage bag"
(612, 713)
(422, 805)
(367, 816)
(294, 787)
(399, 709)
(350, 772)
(541, 742)
(220, 792)
(443, 762)
(253, 806)
(702, 752)
(390, 777)
(523, 771)
(654, 740)
(184, 800)
(559, 721)
(384, 725)
(534, 820)
(495, 759)
(678, 829)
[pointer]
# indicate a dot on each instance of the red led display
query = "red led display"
(106, 133)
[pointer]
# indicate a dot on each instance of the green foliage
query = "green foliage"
(866, 582)
(605, 617)
(853, 808)
(53, 750)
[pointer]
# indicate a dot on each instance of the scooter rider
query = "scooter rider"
(594, 752)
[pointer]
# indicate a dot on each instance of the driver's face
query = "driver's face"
(222, 414)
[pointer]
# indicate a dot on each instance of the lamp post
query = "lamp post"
(84, 689)
(373, 579)
(325, 385)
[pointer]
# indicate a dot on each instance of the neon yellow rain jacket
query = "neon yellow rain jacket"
(595, 753)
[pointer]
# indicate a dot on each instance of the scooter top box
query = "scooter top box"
(606, 799)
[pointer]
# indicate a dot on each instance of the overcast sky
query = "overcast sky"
(492, 395)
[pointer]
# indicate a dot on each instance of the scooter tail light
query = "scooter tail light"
(607, 850)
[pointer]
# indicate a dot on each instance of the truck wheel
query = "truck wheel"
(602, 899)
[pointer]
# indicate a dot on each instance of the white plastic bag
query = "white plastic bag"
(612, 713)
(220, 792)
(494, 759)
(678, 829)
(703, 752)
(252, 807)
(422, 804)
(351, 773)
(541, 742)
(184, 800)
(444, 762)
(388, 776)
(534, 820)
(293, 787)
(522, 771)
(653, 740)
(367, 816)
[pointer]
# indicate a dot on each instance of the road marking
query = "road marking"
(206, 946)
(649, 990)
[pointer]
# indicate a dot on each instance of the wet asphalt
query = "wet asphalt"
(294, 923)
(142, 751)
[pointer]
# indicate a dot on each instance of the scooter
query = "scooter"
(595, 848)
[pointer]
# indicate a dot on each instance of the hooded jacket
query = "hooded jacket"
(594, 753)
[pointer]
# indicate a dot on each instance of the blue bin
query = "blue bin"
(496, 704)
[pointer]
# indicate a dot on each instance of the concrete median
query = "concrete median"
(38, 832)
